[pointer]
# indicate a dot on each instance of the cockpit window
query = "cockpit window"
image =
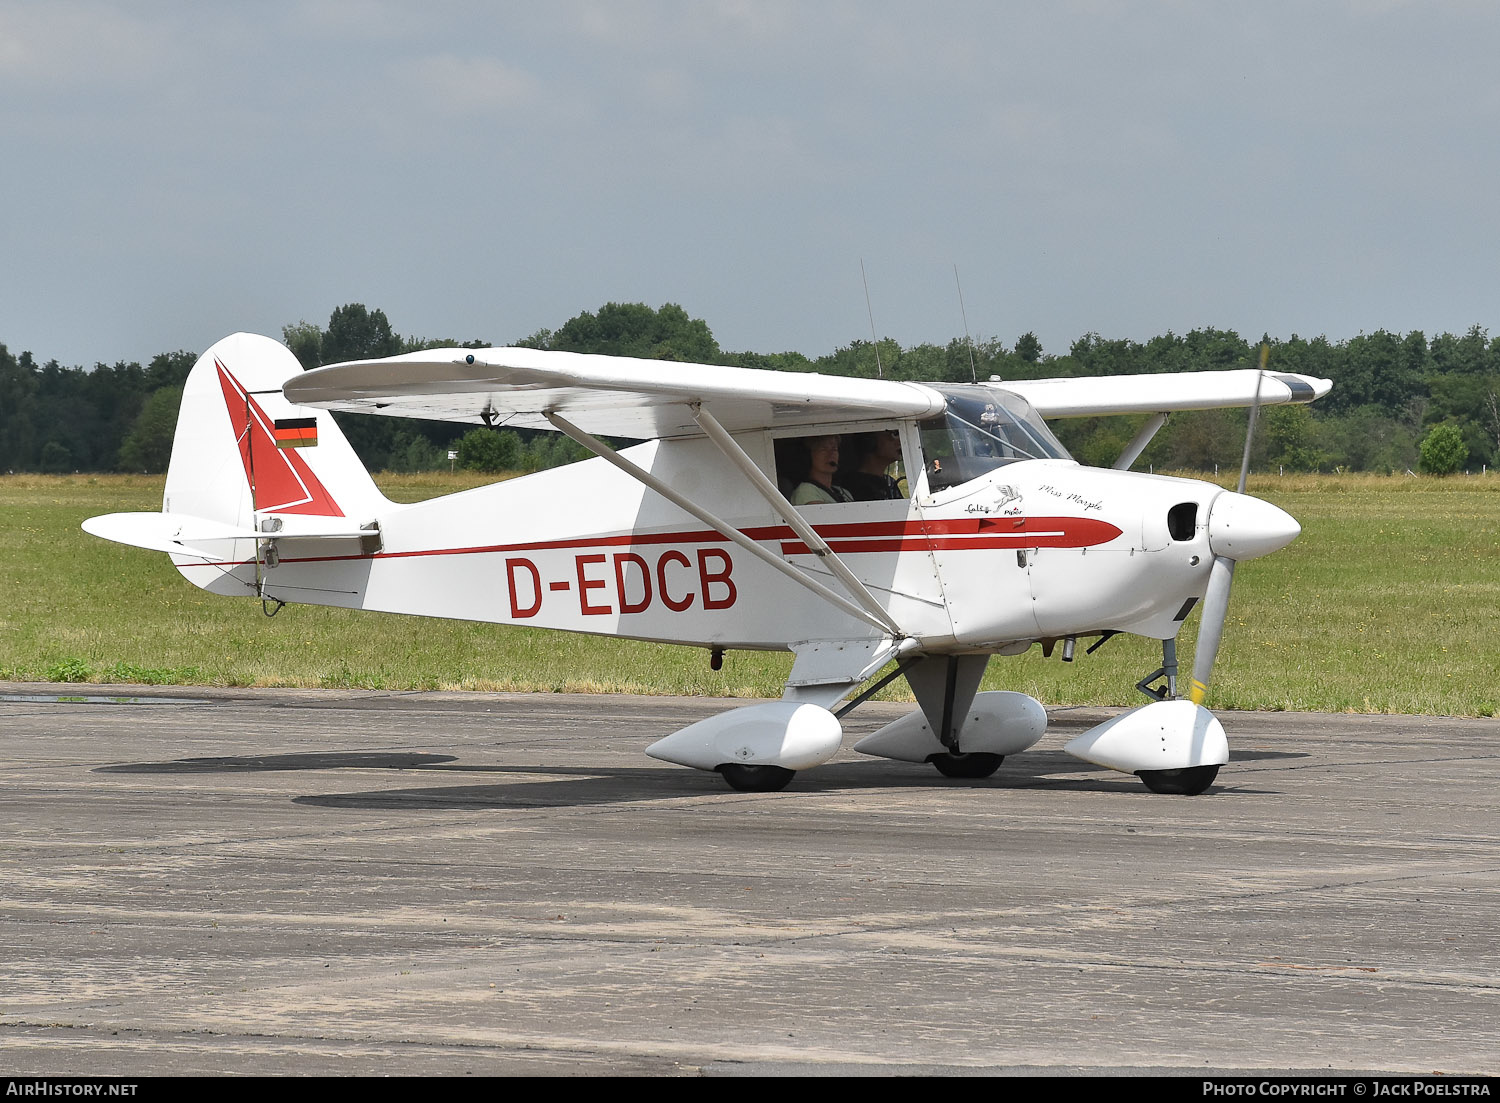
(852, 467)
(983, 428)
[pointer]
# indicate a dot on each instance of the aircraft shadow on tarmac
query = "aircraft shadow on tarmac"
(319, 760)
(562, 785)
(578, 786)
(1265, 756)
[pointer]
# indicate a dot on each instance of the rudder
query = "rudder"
(227, 463)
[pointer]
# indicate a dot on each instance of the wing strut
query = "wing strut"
(1134, 449)
(724, 528)
(815, 543)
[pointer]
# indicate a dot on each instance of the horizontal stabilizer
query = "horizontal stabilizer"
(172, 532)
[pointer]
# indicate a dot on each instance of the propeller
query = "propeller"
(1239, 527)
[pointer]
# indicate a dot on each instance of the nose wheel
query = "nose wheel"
(977, 764)
(756, 779)
(1187, 782)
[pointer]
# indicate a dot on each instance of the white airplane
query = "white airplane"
(999, 540)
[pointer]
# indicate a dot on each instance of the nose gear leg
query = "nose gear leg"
(1168, 670)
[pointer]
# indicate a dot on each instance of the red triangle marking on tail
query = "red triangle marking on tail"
(283, 481)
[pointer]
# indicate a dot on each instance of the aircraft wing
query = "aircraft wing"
(1094, 396)
(609, 395)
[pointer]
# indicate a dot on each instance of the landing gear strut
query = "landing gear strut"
(945, 686)
(1167, 670)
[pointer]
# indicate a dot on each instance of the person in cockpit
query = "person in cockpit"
(817, 486)
(865, 465)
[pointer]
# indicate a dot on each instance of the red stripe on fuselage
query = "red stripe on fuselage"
(878, 536)
(1005, 532)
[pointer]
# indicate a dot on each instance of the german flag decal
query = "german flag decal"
(296, 432)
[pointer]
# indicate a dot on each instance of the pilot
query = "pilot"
(867, 476)
(823, 463)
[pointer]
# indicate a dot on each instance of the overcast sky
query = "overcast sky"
(173, 172)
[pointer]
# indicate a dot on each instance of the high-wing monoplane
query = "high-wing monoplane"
(994, 540)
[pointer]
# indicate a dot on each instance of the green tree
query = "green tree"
(1292, 437)
(489, 451)
(1097, 441)
(1092, 354)
(634, 329)
(17, 410)
(412, 451)
(1467, 355)
(169, 369)
(1469, 401)
(775, 361)
(1211, 349)
(1198, 440)
(55, 458)
(355, 333)
(546, 450)
(860, 359)
(1380, 369)
(1443, 450)
(422, 344)
(306, 342)
(148, 445)
(1028, 347)
(1367, 440)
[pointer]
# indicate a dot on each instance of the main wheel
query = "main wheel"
(978, 764)
(756, 779)
(1186, 782)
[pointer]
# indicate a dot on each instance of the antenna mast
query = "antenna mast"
(873, 340)
(973, 372)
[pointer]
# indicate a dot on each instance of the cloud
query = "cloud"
(465, 84)
(62, 45)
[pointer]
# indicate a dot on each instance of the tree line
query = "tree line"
(1399, 402)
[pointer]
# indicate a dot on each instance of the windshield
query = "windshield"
(982, 429)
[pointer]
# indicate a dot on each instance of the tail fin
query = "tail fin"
(228, 460)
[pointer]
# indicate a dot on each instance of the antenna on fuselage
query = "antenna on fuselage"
(973, 372)
(869, 310)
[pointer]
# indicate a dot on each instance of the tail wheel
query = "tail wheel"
(1187, 782)
(978, 764)
(756, 779)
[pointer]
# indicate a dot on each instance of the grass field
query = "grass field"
(1387, 603)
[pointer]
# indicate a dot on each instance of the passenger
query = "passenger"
(817, 487)
(791, 464)
(867, 477)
